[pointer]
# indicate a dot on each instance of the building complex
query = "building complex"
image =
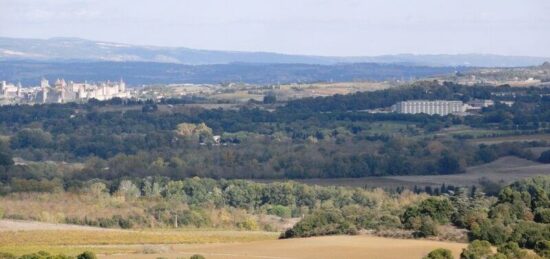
(440, 107)
(62, 92)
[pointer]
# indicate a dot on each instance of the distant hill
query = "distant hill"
(74, 49)
(137, 73)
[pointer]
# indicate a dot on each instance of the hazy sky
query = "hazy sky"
(322, 27)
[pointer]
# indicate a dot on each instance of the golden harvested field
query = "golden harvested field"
(317, 247)
(217, 244)
(114, 244)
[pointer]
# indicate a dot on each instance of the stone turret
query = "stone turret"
(121, 86)
(44, 83)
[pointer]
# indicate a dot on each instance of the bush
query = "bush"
(319, 223)
(439, 209)
(427, 227)
(542, 215)
(512, 250)
(440, 253)
(87, 255)
(494, 232)
(542, 248)
(477, 250)
(197, 257)
(545, 157)
(279, 210)
(44, 255)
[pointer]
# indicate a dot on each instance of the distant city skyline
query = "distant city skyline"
(327, 28)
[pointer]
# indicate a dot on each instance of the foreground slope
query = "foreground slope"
(26, 236)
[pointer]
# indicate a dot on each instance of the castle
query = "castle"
(62, 92)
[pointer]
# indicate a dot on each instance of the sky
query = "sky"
(313, 27)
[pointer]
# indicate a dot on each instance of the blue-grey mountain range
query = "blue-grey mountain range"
(75, 49)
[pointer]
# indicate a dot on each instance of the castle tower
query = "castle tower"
(2, 87)
(44, 83)
(18, 92)
(121, 86)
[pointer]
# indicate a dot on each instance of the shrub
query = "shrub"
(477, 250)
(279, 210)
(87, 255)
(440, 253)
(545, 157)
(440, 210)
(494, 232)
(427, 227)
(542, 248)
(542, 215)
(197, 257)
(44, 255)
(319, 223)
(512, 250)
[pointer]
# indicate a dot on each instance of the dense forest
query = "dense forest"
(311, 138)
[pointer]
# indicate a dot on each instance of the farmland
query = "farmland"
(58, 238)
(505, 170)
(362, 246)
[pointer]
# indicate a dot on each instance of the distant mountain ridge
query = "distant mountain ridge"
(81, 50)
(29, 73)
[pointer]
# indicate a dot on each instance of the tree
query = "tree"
(478, 249)
(542, 248)
(200, 130)
(545, 157)
(427, 227)
(128, 189)
(31, 138)
(512, 251)
(6, 158)
(440, 253)
(542, 215)
(321, 222)
(439, 209)
(449, 164)
(270, 98)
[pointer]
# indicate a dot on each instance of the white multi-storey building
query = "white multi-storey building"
(440, 107)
